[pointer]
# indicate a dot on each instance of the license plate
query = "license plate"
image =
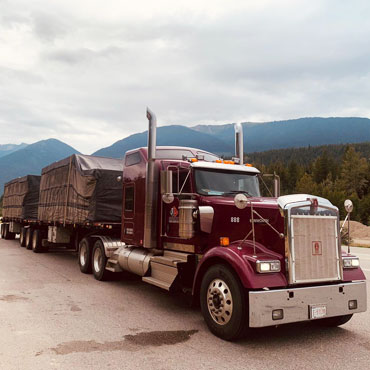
(317, 311)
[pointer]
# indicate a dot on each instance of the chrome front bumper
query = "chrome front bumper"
(296, 302)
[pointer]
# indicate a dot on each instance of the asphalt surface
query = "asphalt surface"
(54, 317)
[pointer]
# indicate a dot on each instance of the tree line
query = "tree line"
(335, 172)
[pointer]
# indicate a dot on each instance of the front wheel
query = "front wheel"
(333, 321)
(223, 302)
(99, 261)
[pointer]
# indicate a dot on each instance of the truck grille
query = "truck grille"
(314, 253)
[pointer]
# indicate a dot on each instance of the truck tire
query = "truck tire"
(2, 230)
(84, 256)
(333, 321)
(28, 242)
(99, 261)
(22, 237)
(36, 241)
(223, 302)
(6, 231)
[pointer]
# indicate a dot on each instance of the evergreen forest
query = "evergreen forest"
(335, 172)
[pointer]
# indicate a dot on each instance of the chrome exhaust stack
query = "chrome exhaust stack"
(151, 185)
(239, 151)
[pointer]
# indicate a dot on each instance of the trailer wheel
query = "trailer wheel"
(84, 256)
(22, 237)
(28, 242)
(6, 232)
(333, 321)
(36, 241)
(99, 261)
(223, 302)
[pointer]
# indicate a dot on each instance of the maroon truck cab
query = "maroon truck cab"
(194, 222)
(199, 216)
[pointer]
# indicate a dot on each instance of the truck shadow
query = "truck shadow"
(291, 334)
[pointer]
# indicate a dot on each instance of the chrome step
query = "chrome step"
(164, 268)
(113, 265)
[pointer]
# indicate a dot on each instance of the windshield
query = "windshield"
(211, 182)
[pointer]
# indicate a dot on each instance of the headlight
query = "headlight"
(267, 266)
(351, 262)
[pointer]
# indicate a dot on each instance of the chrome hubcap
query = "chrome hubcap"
(98, 259)
(219, 301)
(83, 254)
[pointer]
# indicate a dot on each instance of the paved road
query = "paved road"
(54, 317)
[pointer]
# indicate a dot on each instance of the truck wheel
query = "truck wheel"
(84, 256)
(28, 242)
(99, 261)
(2, 230)
(6, 231)
(223, 302)
(36, 241)
(22, 237)
(333, 321)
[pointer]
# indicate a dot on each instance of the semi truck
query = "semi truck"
(194, 222)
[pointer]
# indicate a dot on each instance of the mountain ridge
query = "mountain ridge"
(6, 149)
(258, 137)
(32, 158)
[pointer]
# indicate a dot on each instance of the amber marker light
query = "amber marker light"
(249, 165)
(224, 241)
(229, 162)
(194, 159)
(218, 161)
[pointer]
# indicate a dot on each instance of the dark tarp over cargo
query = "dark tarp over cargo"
(81, 189)
(21, 198)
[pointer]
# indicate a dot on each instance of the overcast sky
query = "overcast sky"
(83, 71)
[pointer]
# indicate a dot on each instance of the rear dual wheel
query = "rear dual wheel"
(84, 255)
(22, 237)
(99, 262)
(7, 234)
(28, 240)
(36, 241)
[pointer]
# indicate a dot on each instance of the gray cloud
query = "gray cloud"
(84, 73)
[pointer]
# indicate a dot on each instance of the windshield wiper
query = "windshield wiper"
(238, 192)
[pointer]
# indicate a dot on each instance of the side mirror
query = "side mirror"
(166, 187)
(348, 205)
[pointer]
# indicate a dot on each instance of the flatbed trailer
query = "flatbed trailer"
(73, 198)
